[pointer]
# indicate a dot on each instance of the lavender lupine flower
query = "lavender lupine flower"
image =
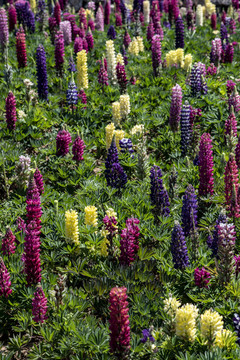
(78, 149)
(39, 305)
(59, 51)
(129, 243)
(111, 32)
(212, 241)
(90, 40)
(39, 181)
(206, 166)
(10, 107)
(4, 34)
(127, 39)
(201, 277)
(63, 140)
(176, 106)
(8, 243)
(236, 323)
(103, 76)
(32, 263)
(234, 101)
(179, 248)
(5, 282)
(195, 81)
(229, 52)
(147, 335)
(179, 37)
(226, 246)
(72, 93)
(119, 322)
(189, 210)
(121, 78)
(126, 145)
(12, 17)
(185, 128)
(42, 73)
(33, 200)
(159, 195)
(156, 53)
(65, 27)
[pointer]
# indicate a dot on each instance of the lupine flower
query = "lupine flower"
(39, 181)
(188, 62)
(235, 4)
(150, 32)
(85, 44)
(127, 39)
(201, 277)
(140, 43)
(211, 322)
(91, 216)
(195, 80)
(12, 17)
(39, 305)
(5, 282)
(99, 24)
(63, 140)
(52, 24)
(211, 70)
(236, 323)
(216, 51)
(146, 332)
(230, 87)
(134, 47)
(90, 40)
(78, 149)
(111, 34)
(122, 79)
(91, 5)
(71, 65)
(78, 45)
(22, 7)
(21, 225)
(231, 187)
(114, 174)
(224, 35)
(179, 248)
(237, 264)
(159, 196)
(186, 322)
(65, 27)
(190, 19)
(111, 61)
(156, 53)
(171, 305)
(59, 51)
(126, 145)
(107, 10)
(109, 129)
(109, 231)
(129, 243)
(231, 124)
(91, 24)
(32, 263)
(224, 337)
(118, 19)
(226, 246)
(214, 21)
(189, 210)
(42, 73)
(199, 16)
(57, 13)
(124, 105)
(232, 26)
(234, 100)
(4, 35)
(229, 52)
(179, 37)
(8, 243)
(82, 97)
(82, 70)
(116, 111)
(21, 48)
(119, 322)
(72, 94)
(11, 116)
(185, 128)
(23, 169)
(71, 226)
(206, 166)
(103, 76)
(31, 21)
(146, 11)
(176, 106)
(237, 153)
(33, 200)
(119, 135)
(82, 18)
(212, 241)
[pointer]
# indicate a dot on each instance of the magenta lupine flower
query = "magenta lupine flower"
(78, 45)
(85, 45)
(230, 87)
(231, 187)
(117, 5)
(8, 243)
(90, 40)
(32, 263)
(211, 70)
(83, 97)
(156, 53)
(234, 100)
(107, 10)
(232, 26)
(4, 35)
(129, 243)
(99, 24)
(206, 166)
(33, 200)
(59, 51)
(127, 39)
(201, 277)
(39, 305)
(78, 149)
(52, 24)
(118, 19)
(214, 21)
(237, 264)
(82, 19)
(5, 282)
(21, 48)
(39, 181)
(150, 31)
(12, 17)
(119, 322)
(65, 27)
(82, 32)
(132, 80)
(121, 78)
(63, 140)
(110, 225)
(229, 52)
(10, 107)
(57, 13)
(21, 225)
(103, 76)
(231, 125)
(91, 24)
(176, 107)
(237, 153)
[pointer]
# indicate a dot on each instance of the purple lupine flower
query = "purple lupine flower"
(10, 107)
(226, 246)
(22, 8)
(129, 243)
(189, 210)
(206, 166)
(90, 40)
(33, 200)
(57, 13)
(42, 73)
(63, 140)
(32, 262)
(118, 19)
(179, 37)
(39, 181)
(30, 20)
(59, 51)
(126, 145)
(190, 19)
(127, 39)
(71, 65)
(5, 282)
(78, 45)
(229, 52)
(146, 333)
(150, 31)
(39, 305)
(156, 53)
(158, 30)
(212, 241)
(185, 128)
(8, 243)
(176, 106)
(201, 277)
(232, 26)
(121, 78)
(103, 76)
(21, 225)
(115, 175)
(52, 24)
(237, 265)
(118, 176)
(159, 195)
(224, 35)
(72, 93)
(12, 17)
(78, 149)
(237, 153)
(236, 323)
(234, 100)
(179, 248)
(65, 27)
(195, 81)
(4, 34)
(107, 10)
(111, 34)
(99, 24)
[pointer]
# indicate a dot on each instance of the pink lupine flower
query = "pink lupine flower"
(33, 200)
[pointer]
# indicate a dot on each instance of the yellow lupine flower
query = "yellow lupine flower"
(89, 14)
(225, 339)
(104, 243)
(71, 226)
(109, 129)
(124, 105)
(119, 135)
(111, 213)
(119, 59)
(140, 43)
(188, 62)
(137, 129)
(211, 322)
(116, 111)
(91, 215)
(186, 322)
(133, 47)
(82, 70)
(180, 56)
(171, 305)
(33, 5)
(171, 57)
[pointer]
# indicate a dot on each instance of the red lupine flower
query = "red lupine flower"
(12, 17)
(21, 48)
